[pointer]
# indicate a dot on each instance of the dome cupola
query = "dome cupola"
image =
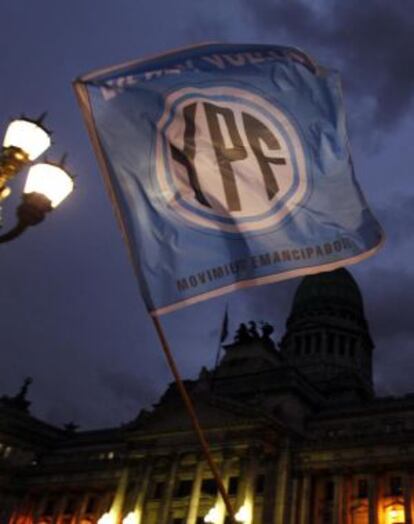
(327, 335)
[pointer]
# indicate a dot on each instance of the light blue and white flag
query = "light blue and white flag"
(229, 167)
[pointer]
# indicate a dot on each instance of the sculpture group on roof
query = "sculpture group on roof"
(247, 333)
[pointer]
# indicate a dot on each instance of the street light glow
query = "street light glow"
(49, 180)
(212, 516)
(107, 518)
(244, 514)
(131, 518)
(28, 136)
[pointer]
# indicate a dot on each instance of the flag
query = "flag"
(224, 326)
(229, 166)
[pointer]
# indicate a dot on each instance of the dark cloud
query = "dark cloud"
(390, 303)
(370, 42)
(72, 317)
(394, 367)
(397, 219)
(127, 386)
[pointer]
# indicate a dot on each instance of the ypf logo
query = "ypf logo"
(229, 160)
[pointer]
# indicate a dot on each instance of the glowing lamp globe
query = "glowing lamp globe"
(242, 515)
(212, 516)
(50, 180)
(28, 136)
(107, 518)
(131, 518)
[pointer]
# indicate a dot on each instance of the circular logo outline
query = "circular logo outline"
(211, 220)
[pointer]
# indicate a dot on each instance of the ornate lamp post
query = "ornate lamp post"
(47, 183)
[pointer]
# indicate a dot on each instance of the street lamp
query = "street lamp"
(212, 516)
(47, 183)
(243, 515)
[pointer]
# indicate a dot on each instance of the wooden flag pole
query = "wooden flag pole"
(194, 420)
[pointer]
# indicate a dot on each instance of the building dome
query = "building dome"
(323, 289)
(327, 337)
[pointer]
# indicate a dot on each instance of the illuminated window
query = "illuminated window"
(395, 514)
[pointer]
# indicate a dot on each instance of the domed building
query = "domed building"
(327, 336)
(295, 428)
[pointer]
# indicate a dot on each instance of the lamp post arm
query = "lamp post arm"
(13, 233)
(30, 212)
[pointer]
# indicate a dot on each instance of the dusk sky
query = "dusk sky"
(71, 313)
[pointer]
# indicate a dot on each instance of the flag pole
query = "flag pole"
(223, 335)
(217, 360)
(194, 420)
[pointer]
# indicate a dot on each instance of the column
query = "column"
(338, 499)
(372, 499)
(164, 509)
(59, 509)
(21, 511)
(346, 499)
(143, 489)
(225, 474)
(305, 500)
(270, 488)
(118, 502)
(294, 503)
(407, 487)
(38, 510)
(195, 493)
(282, 481)
(8, 507)
(102, 505)
(318, 503)
(81, 508)
(246, 491)
(324, 343)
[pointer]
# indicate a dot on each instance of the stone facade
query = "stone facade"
(296, 429)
